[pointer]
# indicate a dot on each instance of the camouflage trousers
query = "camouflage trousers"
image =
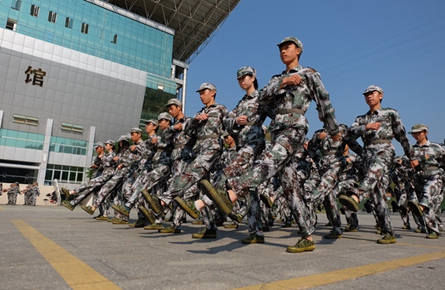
(89, 187)
(401, 199)
(375, 183)
(429, 192)
(177, 168)
(112, 184)
(193, 173)
(12, 198)
(341, 187)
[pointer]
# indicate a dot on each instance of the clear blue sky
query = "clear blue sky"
(398, 45)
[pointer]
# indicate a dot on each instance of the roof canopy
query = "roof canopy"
(194, 21)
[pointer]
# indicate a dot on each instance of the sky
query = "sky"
(398, 45)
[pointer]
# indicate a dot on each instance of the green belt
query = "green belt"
(213, 136)
(287, 111)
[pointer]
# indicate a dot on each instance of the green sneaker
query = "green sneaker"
(387, 239)
(140, 223)
(432, 235)
(351, 229)
(88, 209)
(415, 208)
(378, 231)
(198, 222)
(205, 234)
(169, 230)
(303, 245)
(153, 201)
(334, 234)
(122, 209)
(111, 219)
(420, 230)
(406, 227)
(267, 201)
(348, 202)
(148, 214)
(120, 222)
(253, 239)
(153, 227)
(66, 192)
(231, 225)
(188, 206)
(68, 205)
(219, 197)
(102, 218)
(236, 217)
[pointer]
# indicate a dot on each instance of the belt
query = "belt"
(287, 111)
(381, 141)
(213, 136)
(431, 168)
(330, 153)
(179, 146)
(250, 123)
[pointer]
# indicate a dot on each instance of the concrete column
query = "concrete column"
(45, 152)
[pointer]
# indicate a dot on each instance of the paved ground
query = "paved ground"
(47, 247)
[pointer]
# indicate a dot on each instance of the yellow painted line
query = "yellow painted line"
(2, 208)
(346, 274)
(76, 273)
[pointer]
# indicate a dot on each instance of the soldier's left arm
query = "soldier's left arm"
(400, 133)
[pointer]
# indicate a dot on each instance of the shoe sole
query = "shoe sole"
(68, 207)
(120, 223)
(236, 218)
(386, 242)
(348, 202)
(232, 227)
(152, 229)
(182, 204)
(214, 196)
(267, 202)
(176, 231)
(151, 202)
(120, 210)
(88, 211)
(147, 213)
(415, 208)
(300, 250)
(203, 237)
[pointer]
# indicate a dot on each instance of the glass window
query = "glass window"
(35, 10)
(69, 22)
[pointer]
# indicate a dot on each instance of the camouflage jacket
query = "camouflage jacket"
(298, 97)
(99, 169)
(208, 132)
(107, 161)
(147, 153)
(431, 157)
(181, 142)
(252, 132)
(163, 149)
(391, 126)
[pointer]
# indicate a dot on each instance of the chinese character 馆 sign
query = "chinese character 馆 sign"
(37, 78)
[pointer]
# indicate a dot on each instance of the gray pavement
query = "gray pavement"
(139, 259)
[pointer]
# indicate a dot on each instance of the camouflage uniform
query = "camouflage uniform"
(208, 148)
(378, 156)
(289, 126)
(108, 165)
(429, 180)
(348, 180)
(13, 192)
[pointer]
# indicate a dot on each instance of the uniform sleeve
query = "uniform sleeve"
(356, 130)
(326, 111)
(400, 133)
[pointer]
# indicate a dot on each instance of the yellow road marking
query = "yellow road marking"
(346, 274)
(76, 273)
(2, 208)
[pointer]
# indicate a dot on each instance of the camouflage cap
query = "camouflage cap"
(111, 142)
(164, 116)
(136, 130)
(99, 144)
(373, 88)
(174, 101)
(292, 39)
(245, 70)
(207, 86)
(153, 121)
(418, 128)
(124, 138)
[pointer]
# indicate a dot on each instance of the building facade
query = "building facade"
(74, 73)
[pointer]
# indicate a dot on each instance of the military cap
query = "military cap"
(99, 144)
(153, 121)
(136, 130)
(292, 39)
(124, 138)
(245, 70)
(373, 88)
(174, 101)
(418, 128)
(111, 142)
(207, 86)
(164, 116)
